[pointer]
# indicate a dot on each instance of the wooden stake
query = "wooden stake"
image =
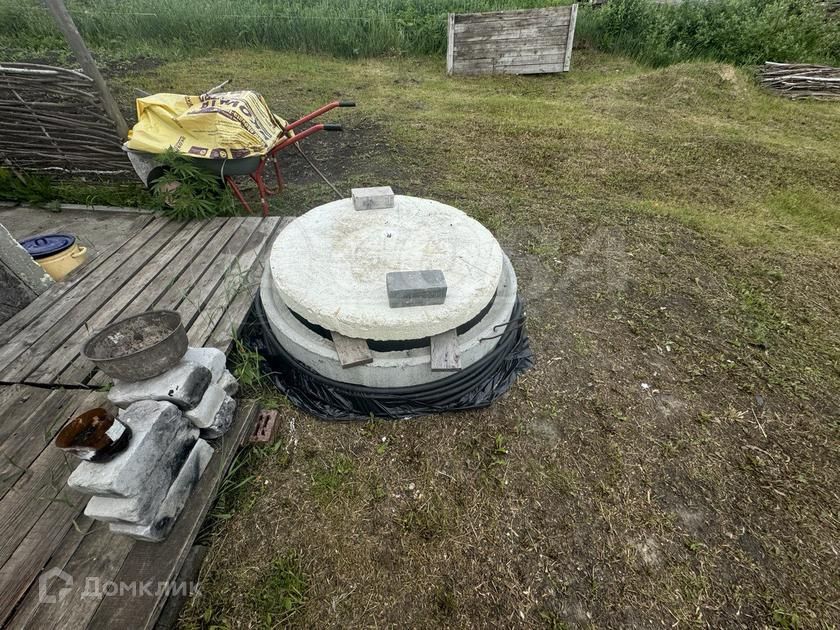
(77, 44)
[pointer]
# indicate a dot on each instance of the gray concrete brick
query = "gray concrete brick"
(222, 422)
(204, 413)
(375, 198)
(415, 288)
(211, 358)
(153, 427)
(142, 507)
(183, 385)
(229, 383)
(176, 498)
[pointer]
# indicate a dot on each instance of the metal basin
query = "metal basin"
(138, 347)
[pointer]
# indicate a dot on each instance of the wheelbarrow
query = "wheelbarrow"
(254, 166)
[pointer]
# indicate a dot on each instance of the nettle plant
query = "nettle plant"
(186, 191)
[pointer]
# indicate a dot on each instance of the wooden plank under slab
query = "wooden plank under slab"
(446, 355)
(351, 351)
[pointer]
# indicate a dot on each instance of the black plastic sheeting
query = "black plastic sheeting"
(471, 388)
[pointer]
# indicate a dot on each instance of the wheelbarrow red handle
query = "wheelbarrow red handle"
(304, 134)
(318, 112)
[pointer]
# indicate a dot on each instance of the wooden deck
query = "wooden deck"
(206, 270)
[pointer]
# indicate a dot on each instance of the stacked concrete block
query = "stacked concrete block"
(167, 513)
(141, 491)
(199, 385)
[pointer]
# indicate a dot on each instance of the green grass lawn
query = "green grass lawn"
(672, 458)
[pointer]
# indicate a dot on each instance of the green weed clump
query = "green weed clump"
(744, 32)
(186, 191)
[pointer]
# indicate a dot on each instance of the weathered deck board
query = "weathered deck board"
(235, 280)
(27, 432)
(128, 270)
(78, 529)
(25, 341)
(23, 318)
(38, 507)
(216, 274)
(527, 41)
(64, 354)
(229, 324)
(196, 268)
(145, 300)
(207, 270)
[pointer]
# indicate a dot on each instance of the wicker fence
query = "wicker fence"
(797, 80)
(51, 119)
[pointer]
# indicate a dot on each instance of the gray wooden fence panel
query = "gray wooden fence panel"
(530, 41)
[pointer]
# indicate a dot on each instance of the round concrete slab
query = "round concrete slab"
(398, 368)
(329, 266)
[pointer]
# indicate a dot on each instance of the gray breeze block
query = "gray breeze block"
(229, 383)
(222, 422)
(153, 427)
(211, 358)
(415, 288)
(204, 413)
(175, 500)
(376, 198)
(142, 507)
(183, 385)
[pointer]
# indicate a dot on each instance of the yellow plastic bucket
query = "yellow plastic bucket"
(58, 254)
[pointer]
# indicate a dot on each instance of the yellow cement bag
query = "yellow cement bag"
(213, 126)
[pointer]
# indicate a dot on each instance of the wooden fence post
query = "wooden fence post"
(77, 44)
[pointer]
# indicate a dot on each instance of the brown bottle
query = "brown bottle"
(94, 436)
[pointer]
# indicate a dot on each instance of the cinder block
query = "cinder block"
(229, 383)
(222, 422)
(415, 288)
(153, 427)
(171, 507)
(183, 385)
(376, 198)
(204, 413)
(142, 507)
(211, 358)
